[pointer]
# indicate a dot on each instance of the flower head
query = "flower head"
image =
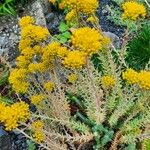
(131, 76)
(133, 10)
(18, 79)
(38, 136)
(75, 59)
(108, 81)
(37, 128)
(49, 86)
(36, 99)
(11, 115)
(88, 40)
(24, 21)
(37, 125)
(71, 16)
(34, 33)
(72, 78)
(144, 79)
(84, 6)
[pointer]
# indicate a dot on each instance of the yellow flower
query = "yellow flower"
(34, 33)
(71, 16)
(24, 43)
(36, 99)
(23, 61)
(37, 125)
(37, 128)
(23, 110)
(2, 107)
(72, 78)
(62, 52)
(37, 50)
(75, 59)
(84, 6)
(49, 86)
(28, 52)
(108, 81)
(133, 10)
(88, 40)
(37, 67)
(38, 136)
(24, 21)
(144, 80)
(11, 115)
(53, 49)
(18, 79)
(130, 75)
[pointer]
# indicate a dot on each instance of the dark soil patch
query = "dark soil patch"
(106, 24)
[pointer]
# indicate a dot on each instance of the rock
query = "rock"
(5, 140)
(46, 6)
(54, 21)
(13, 37)
(18, 141)
(2, 39)
(36, 10)
(49, 17)
(1, 51)
(114, 38)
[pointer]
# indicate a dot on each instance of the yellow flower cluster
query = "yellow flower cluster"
(18, 79)
(30, 36)
(36, 99)
(10, 116)
(108, 81)
(37, 67)
(71, 16)
(31, 32)
(38, 124)
(54, 49)
(133, 10)
(24, 43)
(75, 59)
(30, 48)
(72, 78)
(130, 75)
(24, 21)
(37, 128)
(142, 78)
(88, 40)
(34, 33)
(49, 86)
(84, 6)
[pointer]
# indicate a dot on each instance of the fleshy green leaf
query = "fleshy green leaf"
(63, 27)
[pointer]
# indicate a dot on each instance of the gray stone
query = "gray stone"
(46, 6)
(54, 23)
(50, 17)
(37, 10)
(5, 140)
(2, 40)
(1, 51)
(13, 37)
(114, 38)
